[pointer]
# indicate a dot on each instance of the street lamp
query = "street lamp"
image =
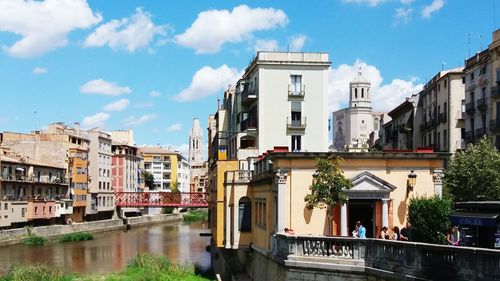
(412, 180)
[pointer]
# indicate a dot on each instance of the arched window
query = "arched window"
(245, 214)
(356, 93)
(362, 92)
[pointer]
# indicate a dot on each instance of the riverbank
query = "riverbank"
(141, 267)
(53, 232)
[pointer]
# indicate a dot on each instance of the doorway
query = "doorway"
(362, 210)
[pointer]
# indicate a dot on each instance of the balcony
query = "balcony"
(495, 125)
(482, 104)
(32, 179)
(495, 92)
(469, 136)
(238, 176)
(248, 96)
(296, 124)
(470, 108)
(248, 124)
(296, 94)
(480, 133)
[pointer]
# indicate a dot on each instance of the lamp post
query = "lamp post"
(412, 180)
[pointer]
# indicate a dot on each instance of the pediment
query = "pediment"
(368, 182)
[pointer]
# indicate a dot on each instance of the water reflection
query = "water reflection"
(111, 251)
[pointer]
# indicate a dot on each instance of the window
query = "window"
(245, 214)
(356, 93)
(472, 77)
(445, 139)
(6, 206)
(438, 141)
(260, 213)
(296, 81)
(482, 70)
(296, 143)
(362, 92)
(445, 83)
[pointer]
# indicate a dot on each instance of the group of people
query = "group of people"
(403, 235)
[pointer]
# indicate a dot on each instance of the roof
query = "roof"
(156, 150)
(360, 79)
(27, 161)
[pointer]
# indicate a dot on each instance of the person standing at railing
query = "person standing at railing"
(384, 233)
(361, 230)
(395, 233)
(406, 233)
(453, 236)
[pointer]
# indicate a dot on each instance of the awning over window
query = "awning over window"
(479, 219)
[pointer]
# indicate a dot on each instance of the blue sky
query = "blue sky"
(155, 65)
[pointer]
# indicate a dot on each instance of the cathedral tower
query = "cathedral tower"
(195, 142)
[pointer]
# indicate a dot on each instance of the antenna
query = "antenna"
(442, 65)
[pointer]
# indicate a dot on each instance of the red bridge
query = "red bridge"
(161, 199)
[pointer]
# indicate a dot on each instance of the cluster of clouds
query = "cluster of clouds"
(403, 14)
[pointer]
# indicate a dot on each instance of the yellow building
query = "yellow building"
(78, 172)
(258, 204)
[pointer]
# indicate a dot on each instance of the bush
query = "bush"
(34, 240)
(195, 215)
(430, 218)
(36, 272)
(77, 236)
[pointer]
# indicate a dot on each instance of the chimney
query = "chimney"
(77, 128)
(218, 103)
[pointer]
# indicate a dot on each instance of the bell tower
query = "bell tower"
(359, 95)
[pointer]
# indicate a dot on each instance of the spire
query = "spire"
(195, 142)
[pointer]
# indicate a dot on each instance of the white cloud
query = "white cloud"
(371, 3)
(213, 28)
(103, 87)
(435, 6)
(297, 42)
(118, 105)
(136, 121)
(144, 104)
(402, 15)
(39, 70)
(43, 25)
(96, 120)
(266, 45)
(154, 94)
(208, 81)
(131, 34)
(175, 127)
(384, 97)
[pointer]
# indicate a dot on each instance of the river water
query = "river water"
(111, 251)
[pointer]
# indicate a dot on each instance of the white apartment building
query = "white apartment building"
(281, 101)
(352, 126)
(440, 112)
(183, 174)
(101, 199)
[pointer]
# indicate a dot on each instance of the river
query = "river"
(111, 251)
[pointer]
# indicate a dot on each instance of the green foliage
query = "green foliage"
(34, 240)
(36, 272)
(328, 187)
(77, 236)
(473, 175)
(430, 218)
(149, 180)
(167, 210)
(195, 215)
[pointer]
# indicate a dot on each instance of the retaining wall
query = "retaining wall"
(153, 219)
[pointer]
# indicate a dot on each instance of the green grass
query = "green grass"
(143, 267)
(36, 272)
(77, 236)
(34, 240)
(195, 215)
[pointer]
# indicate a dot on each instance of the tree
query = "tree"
(327, 189)
(473, 174)
(430, 218)
(149, 180)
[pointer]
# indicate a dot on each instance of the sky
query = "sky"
(153, 66)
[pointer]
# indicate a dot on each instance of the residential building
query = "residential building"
(162, 163)
(126, 175)
(399, 132)
(493, 74)
(62, 146)
(352, 126)
(183, 174)
(32, 191)
(100, 203)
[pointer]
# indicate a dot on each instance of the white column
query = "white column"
(281, 208)
(236, 209)
(343, 220)
(385, 212)
(228, 222)
(438, 182)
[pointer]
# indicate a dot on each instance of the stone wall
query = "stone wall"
(153, 219)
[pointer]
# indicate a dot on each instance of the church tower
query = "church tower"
(359, 95)
(195, 142)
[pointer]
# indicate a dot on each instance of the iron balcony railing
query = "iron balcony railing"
(294, 93)
(248, 95)
(480, 132)
(495, 125)
(495, 92)
(470, 108)
(482, 104)
(296, 123)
